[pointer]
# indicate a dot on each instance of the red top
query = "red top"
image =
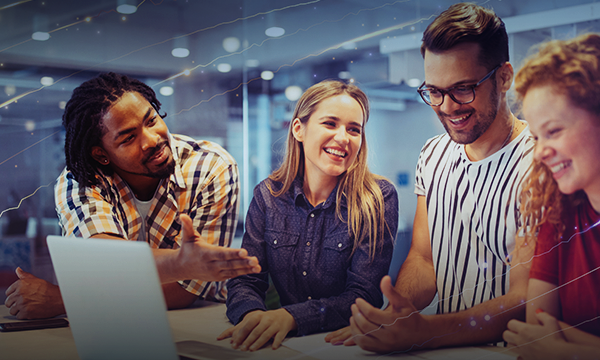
(573, 264)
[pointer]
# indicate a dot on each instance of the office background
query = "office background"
(228, 71)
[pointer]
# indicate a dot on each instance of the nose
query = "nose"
(449, 105)
(149, 139)
(542, 151)
(341, 135)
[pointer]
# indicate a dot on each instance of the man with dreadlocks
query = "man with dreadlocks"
(128, 178)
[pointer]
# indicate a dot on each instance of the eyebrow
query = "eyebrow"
(456, 84)
(131, 129)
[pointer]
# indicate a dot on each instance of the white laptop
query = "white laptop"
(115, 304)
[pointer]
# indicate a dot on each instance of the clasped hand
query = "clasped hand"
(398, 328)
(258, 327)
(535, 341)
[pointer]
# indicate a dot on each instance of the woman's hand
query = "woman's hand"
(258, 327)
(535, 341)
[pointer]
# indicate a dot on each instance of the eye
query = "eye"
(329, 123)
(355, 130)
(127, 140)
(554, 131)
(462, 90)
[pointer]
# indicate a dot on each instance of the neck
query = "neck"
(502, 131)
(593, 196)
(143, 187)
(317, 188)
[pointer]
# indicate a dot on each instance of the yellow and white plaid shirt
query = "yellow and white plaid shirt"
(204, 186)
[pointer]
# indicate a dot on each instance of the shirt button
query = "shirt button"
(340, 245)
(312, 215)
(275, 242)
(308, 243)
(304, 273)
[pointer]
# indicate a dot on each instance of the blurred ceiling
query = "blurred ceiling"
(86, 37)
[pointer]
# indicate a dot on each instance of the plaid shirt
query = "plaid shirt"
(204, 186)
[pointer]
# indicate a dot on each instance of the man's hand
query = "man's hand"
(401, 329)
(33, 298)
(341, 336)
(258, 327)
(203, 261)
(530, 341)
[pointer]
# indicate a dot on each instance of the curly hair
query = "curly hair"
(571, 68)
(468, 23)
(83, 116)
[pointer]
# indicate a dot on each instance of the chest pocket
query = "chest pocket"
(281, 249)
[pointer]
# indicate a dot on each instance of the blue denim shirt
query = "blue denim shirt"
(308, 253)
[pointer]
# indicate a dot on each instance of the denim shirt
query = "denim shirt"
(308, 253)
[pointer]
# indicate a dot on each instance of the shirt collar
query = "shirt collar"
(177, 176)
(300, 198)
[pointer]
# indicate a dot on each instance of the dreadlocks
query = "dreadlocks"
(83, 120)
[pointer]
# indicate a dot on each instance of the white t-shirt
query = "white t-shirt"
(473, 216)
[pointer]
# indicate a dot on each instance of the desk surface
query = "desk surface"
(201, 323)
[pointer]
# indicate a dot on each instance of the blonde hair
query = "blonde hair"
(571, 68)
(358, 185)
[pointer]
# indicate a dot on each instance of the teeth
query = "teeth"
(336, 152)
(458, 119)
(559, 167)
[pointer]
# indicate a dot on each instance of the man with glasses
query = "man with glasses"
(468, 186)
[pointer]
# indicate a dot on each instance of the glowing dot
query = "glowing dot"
(224, 67)
(473, 323)
(186, 72)
(166, 91)
(487, 318)
(124, 18)
(15, 165)
(275, 31)
(88, 19)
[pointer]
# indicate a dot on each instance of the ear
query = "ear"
(298, 130)
(506, 74)
(100, 155)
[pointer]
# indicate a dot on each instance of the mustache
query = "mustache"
(154, 150)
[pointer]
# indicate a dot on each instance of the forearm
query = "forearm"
(416, 281)
(481, 324)
(579, 337)
(177, 297)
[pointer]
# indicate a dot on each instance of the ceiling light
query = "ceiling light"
(414, 82)
(267, 75)
(126, 7)
(40, 36)
(293, 93)
(47, 81)
(344, 75)
(166, 91)
(10, 90)
(252, 63)
(275, 31)
(231, 44)
(224, 67)
(62, 105)
(40, 28)
(180, 52)
(180, 47)
(29, 125)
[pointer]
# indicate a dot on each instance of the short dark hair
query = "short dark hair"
(468, 23)
(83, 120)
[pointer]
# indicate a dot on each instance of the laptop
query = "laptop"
(115, 304)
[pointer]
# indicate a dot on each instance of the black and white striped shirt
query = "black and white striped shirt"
(473, 216)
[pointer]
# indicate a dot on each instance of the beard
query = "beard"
(482, 121)
(164, 172)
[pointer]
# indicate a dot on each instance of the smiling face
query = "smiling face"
(135, 141)
(568, 139)
(331, 137)
(465, 123)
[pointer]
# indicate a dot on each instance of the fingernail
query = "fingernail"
(539, 311)
(338, 343)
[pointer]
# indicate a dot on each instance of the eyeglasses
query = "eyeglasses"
(462, 94)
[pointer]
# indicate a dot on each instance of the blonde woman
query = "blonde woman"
(560, 90)
(322, 225)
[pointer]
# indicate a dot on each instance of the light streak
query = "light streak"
(23, 199)
(29, 147)
(14, 4)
